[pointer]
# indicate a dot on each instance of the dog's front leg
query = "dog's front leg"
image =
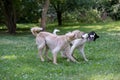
(72, 50)
(63, 54)
(54, 52)
(71, 58)
(55, 58)
(75, 44)
(81, 49)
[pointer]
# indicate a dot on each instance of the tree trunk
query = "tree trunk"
(59, 18)
(9, 13)
(44, 14)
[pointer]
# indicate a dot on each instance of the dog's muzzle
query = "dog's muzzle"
(92, 36)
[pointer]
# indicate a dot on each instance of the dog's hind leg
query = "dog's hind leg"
(54, 52)
(81, 49)
(40, 51)
(40, 54)
(46, 53)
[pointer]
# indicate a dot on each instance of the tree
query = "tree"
(61, 6)
(44, 13)
(9, 14)
(28, 11)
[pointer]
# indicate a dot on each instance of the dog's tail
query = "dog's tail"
(36, 30)
(55, 31)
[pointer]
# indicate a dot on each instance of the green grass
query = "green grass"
(19, 59)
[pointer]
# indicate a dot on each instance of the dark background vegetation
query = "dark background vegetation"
(61, 11)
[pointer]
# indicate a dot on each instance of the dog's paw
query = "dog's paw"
(68, 60)
(55, 63)
(42, 60)
(63, 56)
(86, 60)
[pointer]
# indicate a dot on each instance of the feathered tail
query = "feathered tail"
(36, 30)
(55, 31)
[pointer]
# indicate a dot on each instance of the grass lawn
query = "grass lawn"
(19, 59)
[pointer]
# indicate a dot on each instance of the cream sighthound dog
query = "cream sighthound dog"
(54, 42)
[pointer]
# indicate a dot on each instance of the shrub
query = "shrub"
(91, 16)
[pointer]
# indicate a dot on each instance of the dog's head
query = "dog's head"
(92, 36)
(70, 36)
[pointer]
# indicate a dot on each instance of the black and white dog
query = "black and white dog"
(79, 42)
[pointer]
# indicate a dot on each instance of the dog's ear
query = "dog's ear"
(96, 36)
(76, 35)
(70, 36)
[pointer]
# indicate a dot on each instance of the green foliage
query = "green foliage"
(19, 59)
(30, 10)
(87, 11)
(91, 16)
(83, 16)
(1, 17)
(112, 7)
